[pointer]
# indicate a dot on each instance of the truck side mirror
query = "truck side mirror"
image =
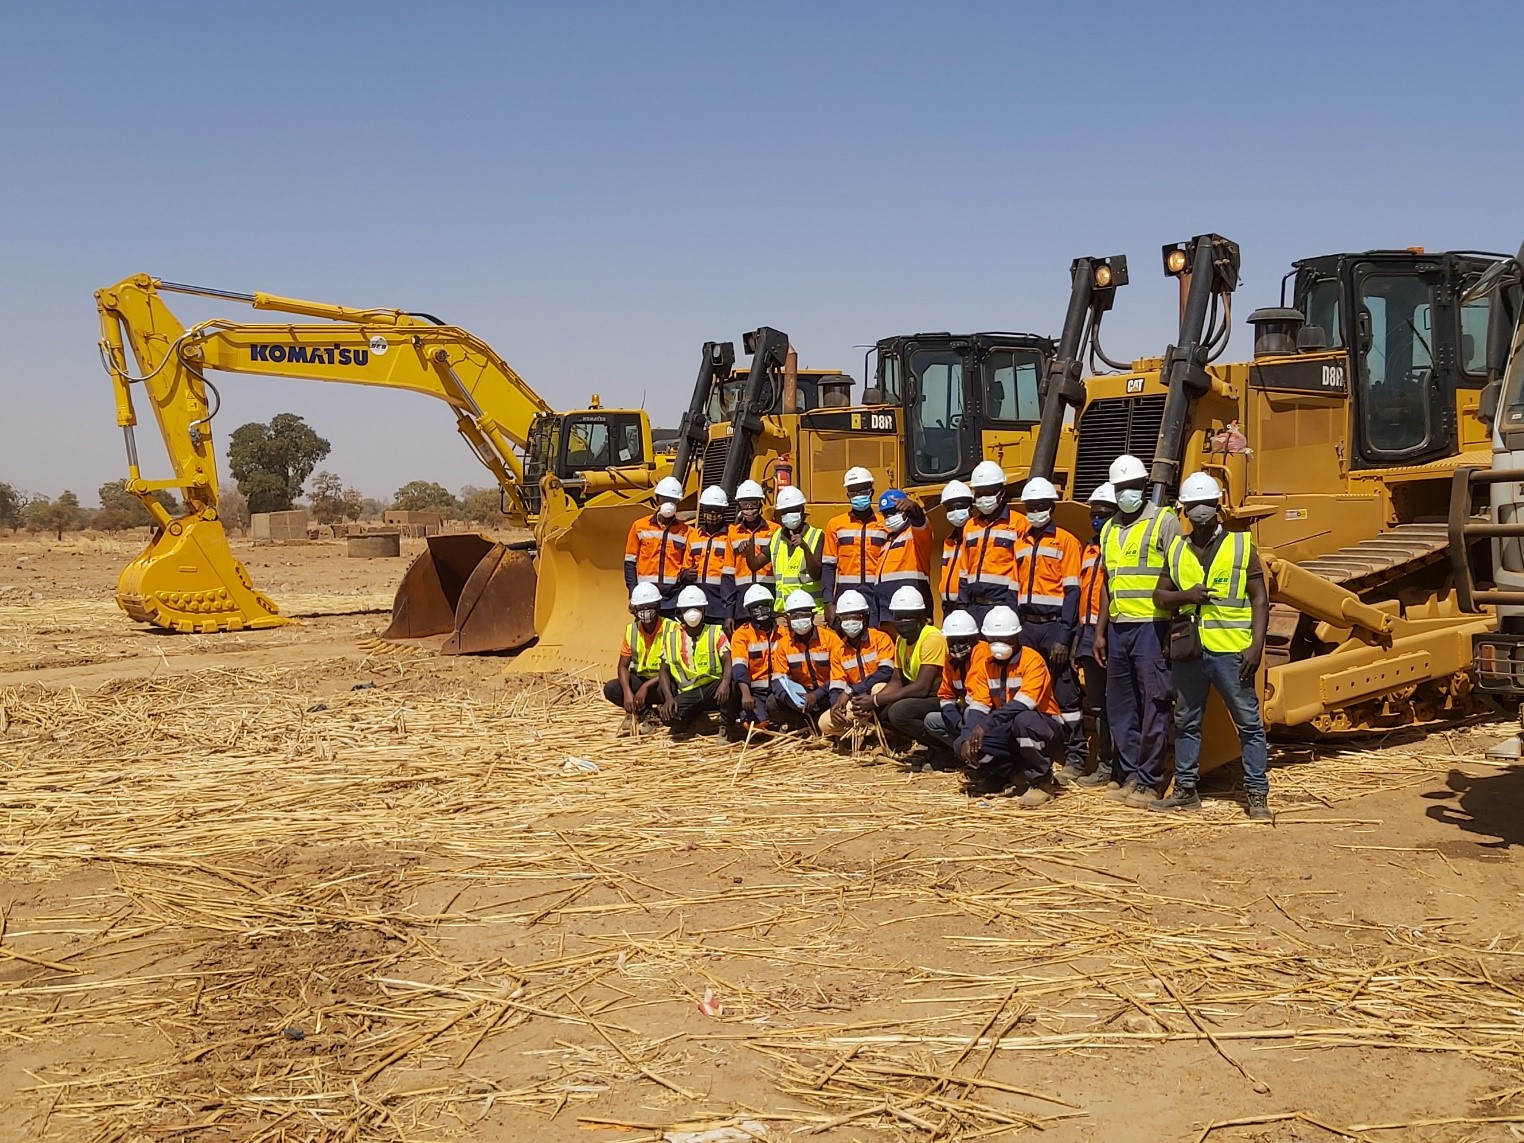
(1487, 403)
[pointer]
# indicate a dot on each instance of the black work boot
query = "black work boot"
(1258, 805)
(1182, 797)
(1101, 777)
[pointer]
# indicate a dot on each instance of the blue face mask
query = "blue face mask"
(1098, 521)
(862, 503)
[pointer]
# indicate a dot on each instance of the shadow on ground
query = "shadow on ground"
(1491, 805)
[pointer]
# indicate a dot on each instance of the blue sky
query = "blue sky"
(598, 188)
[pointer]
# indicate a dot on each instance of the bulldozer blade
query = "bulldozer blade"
(188, 580)
(427, 597)
(496, 608)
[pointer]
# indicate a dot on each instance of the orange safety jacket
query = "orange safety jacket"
(953, 687)
(655, 551)
(762, 537)
(987, 565)
(805, 660)
(1048, 574)
(1091, 577)
(854, 665)
(758, 646)
(849, 557)
(904, 558)
(1022, 679)
(709, 561)
(948, 578)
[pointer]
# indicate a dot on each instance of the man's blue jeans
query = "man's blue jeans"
(1193, 683)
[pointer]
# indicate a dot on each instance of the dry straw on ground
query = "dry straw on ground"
(309, 912)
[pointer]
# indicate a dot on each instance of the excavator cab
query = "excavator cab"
(587, 451)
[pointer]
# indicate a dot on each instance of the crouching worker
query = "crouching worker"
(861, 663)
(638, 687)
(1012, 718)
(920, 653)
(801, 665)
(944, 726)
(751, 655)
(695, 664)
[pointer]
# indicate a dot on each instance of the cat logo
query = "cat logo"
(1134, 385)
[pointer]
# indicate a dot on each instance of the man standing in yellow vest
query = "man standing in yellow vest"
(695, 664)
(795, 551)
(637, 688)
(1132, 637)
(1215, 576)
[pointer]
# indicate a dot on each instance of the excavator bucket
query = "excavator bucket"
(581, 606)
(187, 579)
(479, 593)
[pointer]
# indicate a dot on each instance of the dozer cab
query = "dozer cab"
(477, 592)
(1335, 446)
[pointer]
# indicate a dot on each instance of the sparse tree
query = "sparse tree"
(272, 462)
(56, 516)
(11, 504)
(425, 496)
(121, 510)
(371, 508)
(482, 505)
(353, 504)
(327, 498)
(233, 507)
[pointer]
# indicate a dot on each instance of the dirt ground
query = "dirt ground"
(296, 885)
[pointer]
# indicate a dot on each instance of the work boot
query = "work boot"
(1182, 797)
(1101, 777)
(1069, 775)
(1141, 798)
(1038, 794)
(1258, 805)
(1126, 790)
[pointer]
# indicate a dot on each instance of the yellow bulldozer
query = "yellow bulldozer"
(477, 592)
(1335, 444)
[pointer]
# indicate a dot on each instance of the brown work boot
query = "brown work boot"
(1069, 775)
(1126, 790)
(1038, 794)
(1141, 798)
(1258, 806)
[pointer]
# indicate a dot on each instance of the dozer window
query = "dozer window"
(1396, 340)
(1323, 310)
(1473, 346)
(1011, 385)
(936, 415)
(608, 442)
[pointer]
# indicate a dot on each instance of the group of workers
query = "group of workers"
(1051, 650)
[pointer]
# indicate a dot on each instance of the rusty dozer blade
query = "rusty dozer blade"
(478, 592)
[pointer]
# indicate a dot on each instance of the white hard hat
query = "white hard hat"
(1039, 489)
(713, 497)
(1104, 494)
(799, 601)
(856, 476)
(645, 593)
(670, 488)
(851, 602)
(960, 625)
(749, 490)
(987, 473)
(1126, 468)
(692, 596)
(907, 598)
(1199, 488)
(956, 490)
(1001, 623)
(789, 496)
(756, 593)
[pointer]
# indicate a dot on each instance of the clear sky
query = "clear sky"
(598, 188)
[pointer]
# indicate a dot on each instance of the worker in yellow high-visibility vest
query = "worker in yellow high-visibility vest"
(1216, 576)
(638, 686)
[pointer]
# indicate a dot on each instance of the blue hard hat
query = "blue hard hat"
(892, 498)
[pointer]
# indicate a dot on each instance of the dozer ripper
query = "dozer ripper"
(479, 593)
(1335, 446)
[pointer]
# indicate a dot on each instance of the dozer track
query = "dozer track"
(1372, 562)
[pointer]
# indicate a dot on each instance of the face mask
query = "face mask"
(646, 615)
(851, 628)
(762, 615)
(957, 517)
(714, 524)
(987, 504)
(959, 651)
(693, 616)
(802, 625)
(908, 628)
(1129, 500)
(1039, 519)
(895, 523)
(752, 514)
(1201, 515)
(1098, 521)
(1001, 651)
(791, 520)
(666, 510)
(862, 503)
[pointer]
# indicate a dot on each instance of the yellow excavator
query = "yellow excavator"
(1336, 446)
(479, 593)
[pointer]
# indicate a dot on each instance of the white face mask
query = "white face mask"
(666, 510)
(895, 523)
(1001, 651)
(851, 628)
(987, 504)
(957, 517)
(1129, 500)
(1201, 515)
(791, 520)
(802, 624)
(693, 616)
(1039, 519)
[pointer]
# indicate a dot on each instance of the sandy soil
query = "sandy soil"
(292, 885)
